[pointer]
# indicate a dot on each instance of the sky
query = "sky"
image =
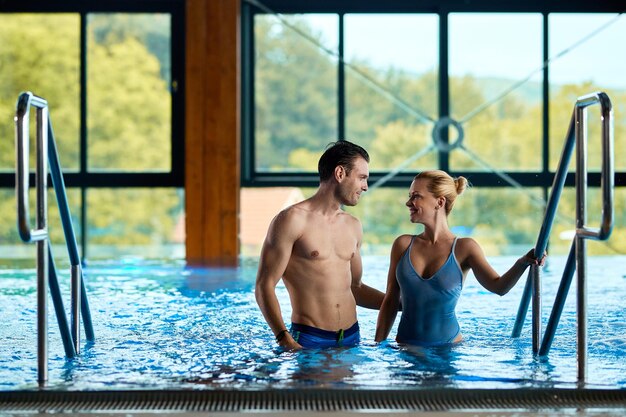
(489, 45)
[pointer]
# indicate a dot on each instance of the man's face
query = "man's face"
(354, 183)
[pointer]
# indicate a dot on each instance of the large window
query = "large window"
(486, 93)
(390, 95)
(302, 47)
(590, 65)
(112, 75)
(482, 68)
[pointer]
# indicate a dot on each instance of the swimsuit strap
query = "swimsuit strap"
(454, 244)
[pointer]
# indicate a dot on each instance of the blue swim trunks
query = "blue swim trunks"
(313, 338)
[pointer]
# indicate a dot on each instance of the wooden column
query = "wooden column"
(212, 132)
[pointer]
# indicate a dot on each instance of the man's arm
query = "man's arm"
(274, 258)
(364, 295)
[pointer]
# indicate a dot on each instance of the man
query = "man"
(314, 246)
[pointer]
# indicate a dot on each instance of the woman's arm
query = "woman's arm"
(488, 277)
(391, 302)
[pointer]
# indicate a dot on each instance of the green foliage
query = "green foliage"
(385, 112)
(151, 30)
(40, 54)
(381, 98)
(128, 120)
(293, 78)
(132, 217)
(129, 108)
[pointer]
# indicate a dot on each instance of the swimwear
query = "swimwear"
(428, 316)
(312, 337)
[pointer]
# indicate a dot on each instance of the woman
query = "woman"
(427, 271)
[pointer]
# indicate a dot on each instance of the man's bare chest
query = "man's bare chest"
(326, 242)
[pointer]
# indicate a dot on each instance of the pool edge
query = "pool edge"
(312, 400)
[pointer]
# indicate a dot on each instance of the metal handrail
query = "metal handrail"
(70, 237)
(584, 232)
(533, 281)
(39, 235)
(46, 270)
(577, 134)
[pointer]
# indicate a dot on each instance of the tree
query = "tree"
(129, 125)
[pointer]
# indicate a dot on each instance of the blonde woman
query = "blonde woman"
(427, 271)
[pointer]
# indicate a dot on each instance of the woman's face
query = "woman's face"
(422, 203)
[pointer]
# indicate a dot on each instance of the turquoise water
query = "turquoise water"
(159, 325)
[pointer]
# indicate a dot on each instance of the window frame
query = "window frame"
(251, 177)
(83, 178)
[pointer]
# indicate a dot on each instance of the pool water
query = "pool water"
(159, 325)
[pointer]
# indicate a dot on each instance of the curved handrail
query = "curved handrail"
(47, 157)
(22, 118)
(584, 232)
(607, 173)
(577, 135)
(39, 235)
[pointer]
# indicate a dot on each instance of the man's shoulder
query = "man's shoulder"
(350, 218)
(291, 213)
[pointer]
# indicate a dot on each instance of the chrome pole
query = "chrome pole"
(536, 320)
(40, 234)
(582, 231)
(76, 295)
(42, 244)
(581, 247)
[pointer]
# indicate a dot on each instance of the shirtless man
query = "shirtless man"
(314, 246)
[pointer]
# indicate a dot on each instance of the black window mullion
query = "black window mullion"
(248, 154)
(546, 95)
(177, 88)
(83, 132)
(341, 84)
(444, 85)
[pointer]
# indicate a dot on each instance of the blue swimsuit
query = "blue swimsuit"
(311, 337)
(428, 317)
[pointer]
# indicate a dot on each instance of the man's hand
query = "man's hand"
(287, 342)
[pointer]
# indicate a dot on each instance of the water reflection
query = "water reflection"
(328, 368)
(427, 366)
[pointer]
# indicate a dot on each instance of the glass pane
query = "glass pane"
(589, 63)
(489, 55)
(564, 228)
(295, 90)
(128, 93)
(504, 221)
(391, 87)
(55, 225)
(384, 217)
(258, 206)
(40, 53)
(146, 222)
(12, 246)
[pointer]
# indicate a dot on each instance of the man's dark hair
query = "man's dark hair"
(342, 153)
